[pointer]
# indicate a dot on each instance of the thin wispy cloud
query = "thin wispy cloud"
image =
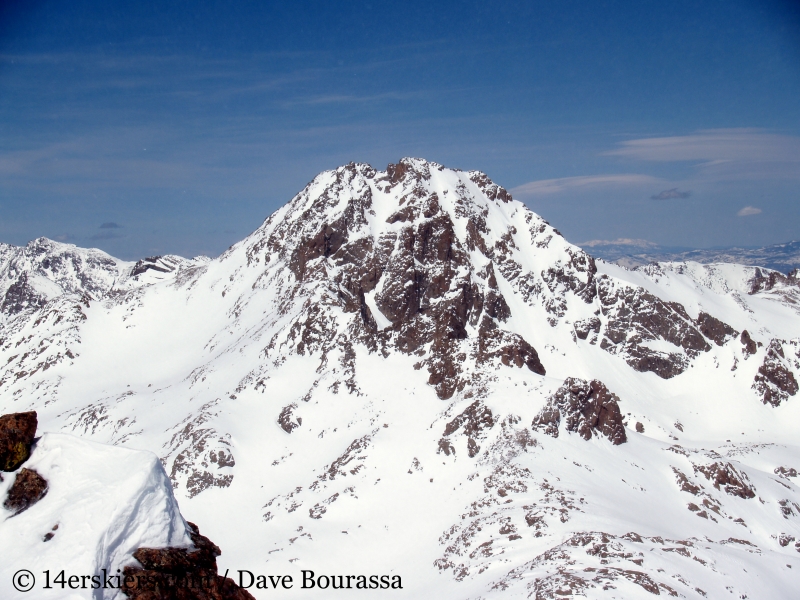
(748, 211)
(355, 99)
(671, 194)
(722, 153)
(543, 187)
(110, 225)
(713, 145)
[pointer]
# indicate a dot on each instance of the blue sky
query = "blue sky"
(176, 127)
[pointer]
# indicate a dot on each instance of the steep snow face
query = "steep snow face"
(102, 504)
(407, 371)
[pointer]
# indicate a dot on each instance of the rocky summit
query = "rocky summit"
(409, 373)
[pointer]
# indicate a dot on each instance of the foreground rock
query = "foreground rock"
(17, 431)
(181, 574)
(85, 507)
(28, 488)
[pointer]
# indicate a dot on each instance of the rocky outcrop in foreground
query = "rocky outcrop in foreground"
(181, 573)
(170, 573)
(17, 431)
(28, 488)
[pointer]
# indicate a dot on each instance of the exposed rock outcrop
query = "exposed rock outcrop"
(749, 345)
(21, 295)
(160, 264)
(28, 488)
(180, 574)
(475, 419)
(509, 348)
(585, 406)
(768, 280)
(585, 327)
(287, 419)
(785, 472)
(636, 317)
(17, 431)
(775, 381)
(714, 329)
(724, 476)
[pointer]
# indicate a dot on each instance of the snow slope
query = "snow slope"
(102, 504)
(373, 382)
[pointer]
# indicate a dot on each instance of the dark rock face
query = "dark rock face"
(420, 274)
(28, 488)
(585, 407)
(180, 574)
(21, 296)
(472, 421)
(153, 263)
(563, 277)
(775, 381)
(446, 446)
(488, 187)
(714, 329)
(17, 431)
(635, 316)
(476, 419)
(287, 420)
(684, 483)
(587, 327)
(510, 348)
(750, 347)
(768, 281)
(724, 476)
(785, 472)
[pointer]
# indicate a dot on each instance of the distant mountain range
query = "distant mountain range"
(634, 253)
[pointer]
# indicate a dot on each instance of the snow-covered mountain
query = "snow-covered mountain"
(32, 275)
(407, 372)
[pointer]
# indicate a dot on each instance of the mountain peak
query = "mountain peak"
(415, 253)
